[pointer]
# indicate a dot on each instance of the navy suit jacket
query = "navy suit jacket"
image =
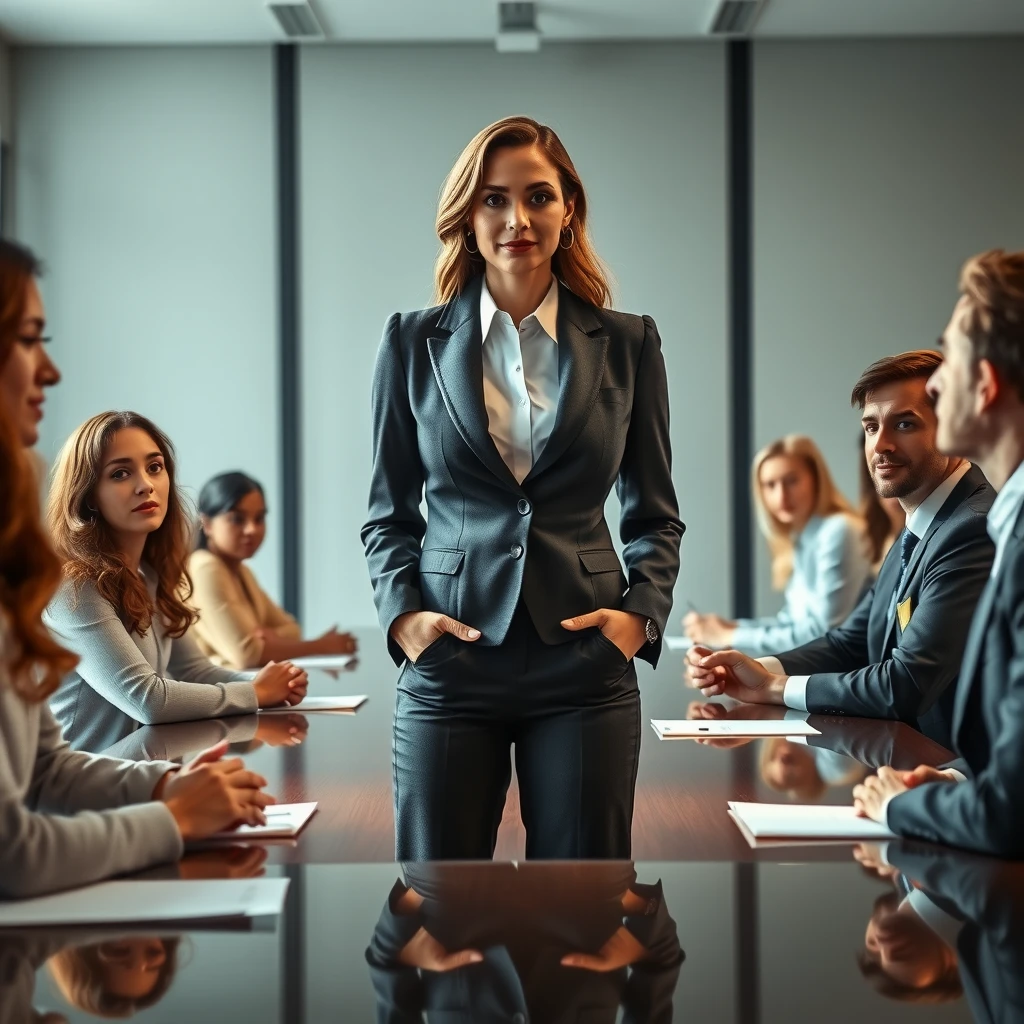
(873, 668)
(488, 541)
(986, 813)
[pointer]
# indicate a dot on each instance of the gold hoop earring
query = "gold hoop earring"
(572, 239)
(465, 244)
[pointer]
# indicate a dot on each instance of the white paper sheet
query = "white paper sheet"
(806, 821)
(678, 643)
(323, 661)
(132, 902)
(283, 821)
(310, 704)
(700, 728)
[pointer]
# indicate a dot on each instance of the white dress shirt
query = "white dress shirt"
(795, 693)
(520, 379)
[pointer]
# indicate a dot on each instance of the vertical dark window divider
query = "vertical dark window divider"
(739, 135)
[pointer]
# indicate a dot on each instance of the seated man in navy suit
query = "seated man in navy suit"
(898, 653)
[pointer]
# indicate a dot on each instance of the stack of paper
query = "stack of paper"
(344, 705)
(283, 821)
(678, 643)
(701, 728)
(149, 902)
(803, 823)
(324, 662)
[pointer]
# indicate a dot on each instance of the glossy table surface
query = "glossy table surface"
(344, 763)
(830, 932)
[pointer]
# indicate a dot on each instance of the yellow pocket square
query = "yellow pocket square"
(903, 613)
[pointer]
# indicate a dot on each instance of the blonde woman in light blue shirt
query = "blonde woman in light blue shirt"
(818, 548)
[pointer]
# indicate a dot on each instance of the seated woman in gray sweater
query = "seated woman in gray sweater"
(119, 523)
(67, 818)
(818, 549)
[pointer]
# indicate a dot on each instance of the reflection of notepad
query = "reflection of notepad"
(805, 821)
(138, 902)
(698, 728)
(345, 704)
(283, 821)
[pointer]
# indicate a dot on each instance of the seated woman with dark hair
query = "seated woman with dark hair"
(119, 523)
(239, 624)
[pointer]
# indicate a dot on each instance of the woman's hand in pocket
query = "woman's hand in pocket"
(414, 632)
(627, 630)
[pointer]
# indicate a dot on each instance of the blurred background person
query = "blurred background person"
(239, 625)
(818, 551)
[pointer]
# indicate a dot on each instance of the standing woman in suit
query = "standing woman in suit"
(517, 403)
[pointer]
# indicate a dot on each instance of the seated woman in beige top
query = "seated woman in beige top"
(239, 625)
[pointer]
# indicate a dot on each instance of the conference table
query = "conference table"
(700, 926)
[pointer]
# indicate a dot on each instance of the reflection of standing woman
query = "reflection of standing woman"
(517, 403)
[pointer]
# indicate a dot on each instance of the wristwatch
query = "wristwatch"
(651, 631)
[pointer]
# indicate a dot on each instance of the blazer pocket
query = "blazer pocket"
(600, 560)
(443, 560)
(613, 396)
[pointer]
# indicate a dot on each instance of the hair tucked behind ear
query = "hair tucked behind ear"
(86, 543)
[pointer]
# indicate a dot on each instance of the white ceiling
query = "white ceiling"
(93, 22)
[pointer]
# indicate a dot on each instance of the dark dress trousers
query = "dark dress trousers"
(986, 813)
(513, 560)
(873, 668)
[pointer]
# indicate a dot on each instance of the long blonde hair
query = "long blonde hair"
(829, 500)
(90, 552)
(578, 267)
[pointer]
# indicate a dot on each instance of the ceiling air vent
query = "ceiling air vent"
(517, 28)
(735, 17)
(296, 19)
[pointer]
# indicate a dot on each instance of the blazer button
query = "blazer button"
(524, 507)
(517, 551)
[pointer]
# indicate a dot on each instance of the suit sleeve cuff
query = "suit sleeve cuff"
(795, 694)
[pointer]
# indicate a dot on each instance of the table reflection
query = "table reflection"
(539, 942)
(953, 925)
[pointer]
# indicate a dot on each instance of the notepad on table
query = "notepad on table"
(805, 822)
(699, 728)
(678, 643)
(308, 704)
(324, 662)
(110, 903)
(283, 821)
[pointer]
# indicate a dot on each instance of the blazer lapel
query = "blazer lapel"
(581, 354)
(971, 480)
(457, 360)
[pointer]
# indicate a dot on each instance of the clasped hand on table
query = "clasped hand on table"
(414, 632)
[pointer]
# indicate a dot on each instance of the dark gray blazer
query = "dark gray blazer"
(488, 540)
(870, 667)
(985, 813)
